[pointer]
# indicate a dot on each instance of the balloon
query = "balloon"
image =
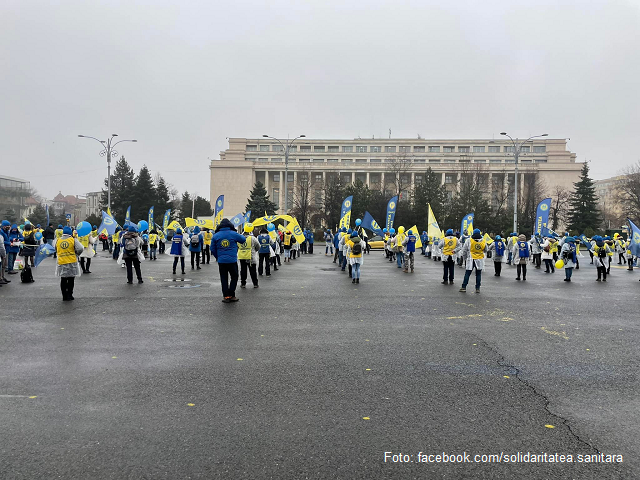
(83, 229)
(143, 225)
(358, 222)
(384, 230)
(271, 227)
(145, 236)
(392, 230)
(248, 227)
(38, 236)
(559, 264)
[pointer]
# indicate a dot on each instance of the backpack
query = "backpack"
(130, 247)
(602, 252)
(357, 249)
(523, 249)
(499, 248)
(195, 240)
(26, 275)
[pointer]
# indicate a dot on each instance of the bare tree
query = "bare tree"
(533, 191)
(397, 168)
(559, 207)
(303, 192)
(627, 194)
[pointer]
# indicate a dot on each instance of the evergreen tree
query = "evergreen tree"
(186, 205)
(202, 207)
(94, 219)
(10, 214)
(39, 216)
(584, 211)
(334, 193)
(163, 199)
(144, 195)
(430, 191)
(259, 202)
(122, 189)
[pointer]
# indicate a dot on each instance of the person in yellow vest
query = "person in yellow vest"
(67, 268)
(601, 252)
(116, 242)
(87, 254)
(248, 256)
(153, 245)
(449, 246)
(630, 259)
(206, 251)
(474, 250)
(287, 241)
(161, 240)
(521, 254)
(553, 244)
(355, 248)
(398, 247)
(620, 248)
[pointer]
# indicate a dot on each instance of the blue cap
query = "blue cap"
(67, 231)
(498, 237)
(196, 230)
(38, 226)
(132, 228)
(178, 230)
(476, 231)
(5, 223)
(343, 229)
(392, 230)
(60, 226)
(410, 232)
(354, 234)
(94, 227)
(449, 232)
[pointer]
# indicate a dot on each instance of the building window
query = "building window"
(318, 148)
(419, 149)
(390, 149)
(510, 160)
(449, 160)
(333, 149)
(434, 160)
(276, 148)
(318, 177)
(478, 149)
(541, 160)
(539, 148)
(277, 160)
(345, 178)
(465, 159)
(332, 160)
(389, 160)
(304, 160)
(449, 178)
(361, 149)
(305, 148)
(318, 160)
(252, 148)
(251, 159)
(374, 178)
(376, 149)
(290, 177)
(263, 159)
(448, 149)
(362, 177)
(525, 149)
(275, 196)
(346, 160)
(264, 148)
(318, 197)
(404, 149)
(525, 160)
(419, 160)
(495, 160)
(511, 149)
(361, 160)
(375, 160)
(293, 148)
(463, 149)
(434, 149)
(418, 179)
(494, 149)
(276, 177)
(347, 149)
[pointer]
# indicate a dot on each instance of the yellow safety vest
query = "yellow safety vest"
(449, 246)
(84, 241)
(477, 249)
(207, 238)
(244, 250)
(116, 237)
(58, 233)
(287, 239)
(66, 251)
(399, 240)
(153, 238)
(553, 248)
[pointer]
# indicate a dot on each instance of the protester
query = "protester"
(450, 247)
(601, 251)
(132, 253)
(287, 242)
(87, 254)
(248, 256)
(224, 247)
(206, 249)
(29, 246)
(12, 245)
(264, 253)
(520, 255)
(310, 240)
(409, 243)
(179, 245)
(474, 250)
(569, 257)
(49, 234)
(153, 245)
(196, 242)
(67, 268)
(355, 247)
(547, 256)
(328, 243)
(498, 249)
(116, 243)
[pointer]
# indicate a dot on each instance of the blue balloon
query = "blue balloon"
(271, 227)
(143, 225)
(38, 236)
(358, 222)
(83, 229)
(392, 230)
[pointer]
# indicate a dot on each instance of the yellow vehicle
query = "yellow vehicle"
(376, 243)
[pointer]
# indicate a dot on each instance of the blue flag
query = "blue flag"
(345, 212)
(127, 218)
(45, 250)
(108, 224)
(218, 211)
(166, 219)
(547, 232)
(466, 226)
(370, 224)
(150, 221)
(247, 217)
(391, 211)
(584, 241)
(542, 216)
(237, 221)
(634, 236)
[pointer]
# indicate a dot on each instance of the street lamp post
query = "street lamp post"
(516, 153)
(108, 152)
(286, 147)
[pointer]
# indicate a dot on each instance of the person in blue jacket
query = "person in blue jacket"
(264, 254)
(4, 234)
(224, 247)
(196, 244)
(310, 241)
(14, 248)
(336, 247)
(424, 238)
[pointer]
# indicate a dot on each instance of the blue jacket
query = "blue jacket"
(424, 238)
(5, 238)
(224, 244)
(14, 234)
(411, 243)
(264, 240)
(336, 239)
(310, 238)
(199, 247)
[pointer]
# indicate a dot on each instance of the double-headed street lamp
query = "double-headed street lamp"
(286, 147)
(516, 152)
(108, 151)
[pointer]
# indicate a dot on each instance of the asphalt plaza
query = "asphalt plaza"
(310, 376)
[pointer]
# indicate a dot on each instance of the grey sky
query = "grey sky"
(182, 76)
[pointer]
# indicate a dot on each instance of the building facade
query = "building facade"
(14, 196)
(610, 208)
(386, 164)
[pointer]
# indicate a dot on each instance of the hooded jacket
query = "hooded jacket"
(224, 244)
(14, 237)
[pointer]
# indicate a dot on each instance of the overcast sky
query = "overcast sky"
(180, 77)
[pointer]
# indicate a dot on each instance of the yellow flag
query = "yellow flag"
(433, 229)
(192, 222)
(488, 239)
(414, 229)
(294, 227)
(174, 226)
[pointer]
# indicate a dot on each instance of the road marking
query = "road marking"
(191, 404)
(240, 359)
(366, 418)
(550, 426)
(553, 332)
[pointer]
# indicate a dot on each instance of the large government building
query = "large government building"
(382, 164)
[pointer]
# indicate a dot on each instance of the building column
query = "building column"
(368, 180)
(413, 181)
(281, 200)
(267, 184)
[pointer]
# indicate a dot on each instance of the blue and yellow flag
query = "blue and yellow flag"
(237, 221)
(391, 211)
(173, 226)
(150, 221)
(584, 241)
(45, 250)
(192, 222)
(466, 226)
(166, 219)
(108, 223)
(634, 237)
(127, 218)
(294, 228)
(345, 212)
(218, 211)
(370, 224)
(247, 217)
(433, 229)
(542, 216)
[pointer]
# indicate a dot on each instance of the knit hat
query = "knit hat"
(476, 231)
(6, 223)
(498, 237)
(449, 232)
(66, 231)
(132, 228)
(354, 234)
(522, 237)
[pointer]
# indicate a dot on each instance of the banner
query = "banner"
(45, 250)
(166, 219)
(488, 240)
(247, 217)
(237, 221)
(150, 221)
(433, 229)
(542, 216)
(47, 209)
(345, 212)
(466, 226)
(127, 218)
(370, 224)
(634, 237)
(391, 211)
(218, 211)
(192, 222)
(108, 224)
